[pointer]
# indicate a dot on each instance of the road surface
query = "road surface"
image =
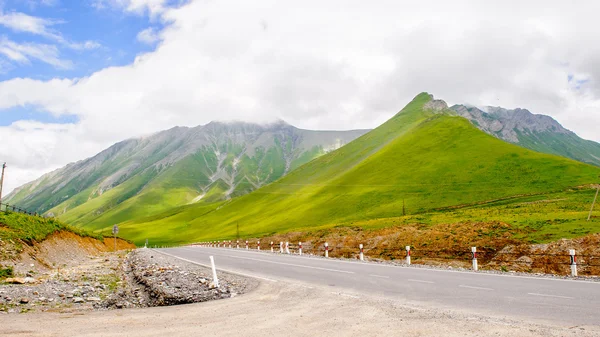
(565, 302)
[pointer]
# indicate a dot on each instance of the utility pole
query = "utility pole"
(593, 203)
(2, 181)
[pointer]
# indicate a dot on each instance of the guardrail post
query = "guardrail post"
(271, 246)
(281, 247)
(474, 253)
(246, 244)
(573, 262)
(408, 255)
(214, 271)
(326, 249)
(258, 245)
(237, 244)
(362, 255)
(300, 247)
(287, 247)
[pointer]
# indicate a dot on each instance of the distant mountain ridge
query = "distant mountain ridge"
(536, 132)
(174, 167)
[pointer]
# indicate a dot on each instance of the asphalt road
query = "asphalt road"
(568, 302)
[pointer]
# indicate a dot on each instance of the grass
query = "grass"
(32, 228)
(427, 161)
(6, 272)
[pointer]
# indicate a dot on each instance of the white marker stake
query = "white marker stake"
(237, 244)
(271, 246)
(246, 244)
(362, 255)
(287, 247)
(229, 243)
(408, 255)
(300, 247)
(474, 252)
(573, 262)
(326, 249)
(258, 245)
(214, 269)
(281, 247)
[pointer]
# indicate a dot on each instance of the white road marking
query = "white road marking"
(380, 276)
(292, 264)
(472, 287)
(420, 281)
(219, 269)
(555, 296)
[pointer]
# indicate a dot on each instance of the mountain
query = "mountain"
(536, 132)
(139, 177)
(423, 159)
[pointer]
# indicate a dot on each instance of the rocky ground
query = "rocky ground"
(141, 278)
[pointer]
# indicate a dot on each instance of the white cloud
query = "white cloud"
(318, 66)
(148, 36)
(152, 7)
(21, 22)
(24, 52)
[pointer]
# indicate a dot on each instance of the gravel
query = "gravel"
(142, 278)
(160, 280)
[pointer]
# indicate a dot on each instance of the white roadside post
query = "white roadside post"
(237, 244)
(300, 247)
(408, 255)
(362, 255)
(246, 244)
(474, 253)
(287, 247)
(271, 246)
(214, 270)
(281, 247)
(218, 244)
(229, 243)
(258, 245)
(573, 262)
(326, 249)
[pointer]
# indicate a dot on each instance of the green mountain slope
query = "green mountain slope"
(141, 177)
(425, 157)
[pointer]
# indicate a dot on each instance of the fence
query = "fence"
(471, 257)
(12, 208)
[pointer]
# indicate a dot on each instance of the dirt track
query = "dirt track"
(281, 309)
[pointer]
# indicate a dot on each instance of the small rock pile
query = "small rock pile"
(163, 280)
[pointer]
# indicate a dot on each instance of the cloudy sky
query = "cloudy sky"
(78, 76)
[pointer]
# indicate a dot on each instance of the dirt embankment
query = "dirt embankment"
(448, 244)
(59, 250)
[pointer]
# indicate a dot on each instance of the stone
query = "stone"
(93, 299)
(24, 300)
(78, 300)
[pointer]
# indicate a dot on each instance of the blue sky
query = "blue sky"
(112, 31)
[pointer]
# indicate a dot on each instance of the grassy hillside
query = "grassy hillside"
(29, 228)
(420, 158)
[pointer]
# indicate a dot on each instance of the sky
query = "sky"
(77, 76)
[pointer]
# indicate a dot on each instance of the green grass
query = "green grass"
(32, 228)
(6, 272)
(425, 160)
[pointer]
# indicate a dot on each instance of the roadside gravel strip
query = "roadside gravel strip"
(168, 280)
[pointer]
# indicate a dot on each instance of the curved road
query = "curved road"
(568, 302)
